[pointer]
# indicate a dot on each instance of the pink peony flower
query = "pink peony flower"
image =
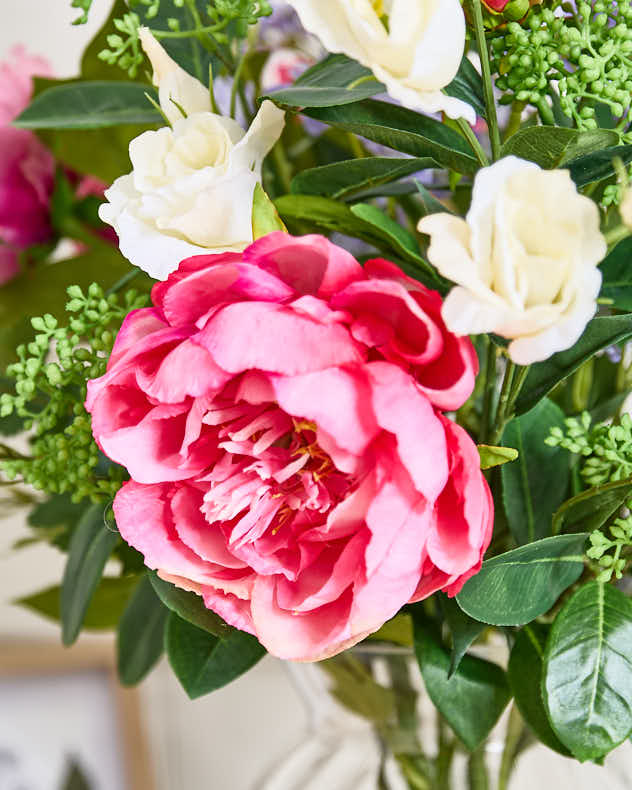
(26, 168)
(277, 410)
(16, 81)
(9, 263)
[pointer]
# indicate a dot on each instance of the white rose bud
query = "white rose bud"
(416, 54)
(191, 187)
(524, 259)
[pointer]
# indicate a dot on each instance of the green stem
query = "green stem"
(445, 755)
(126, 279)
(282, 166)
(615, 235)
(519, 380)
(515, 728)
(477, 770)
(546, 113)
(503, 402)
(488, 395)
(514, 119)
(237, 77)
(472, 139)
(488, 85)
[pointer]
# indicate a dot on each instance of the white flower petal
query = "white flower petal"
(525, 260)
(173, 82)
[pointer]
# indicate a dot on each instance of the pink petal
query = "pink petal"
(308, 264)
(403, 410)
(272, 338)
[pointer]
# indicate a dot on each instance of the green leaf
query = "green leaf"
(587, 682)
(496, 456)
(58, 510)
(327, 84)
(265, 217)
(202, 662)
(403, 130)
(106, 606)
(468, 86)
(189, 52)
(591, 509)
(90, 548)
(599, 165)
(430, 203)
(90, 105)
(516, 587)
(543, 376)
(472, 700)
(342, 179)
(92, 67)
(617, 275)
(398, 630)
(325, 214)
(140, 635)
(535, 485)
(355, 688)
(75, 149)
(189, 607)
(400, 240)
(525, 678)
(43, 288)
(463, 629)
(552, 146)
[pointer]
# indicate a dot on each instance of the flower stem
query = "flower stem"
(488, 395)
(615, 235)
(472, 139)
(236, 80)
(503, 403)
(515, 729)
(488, 85)
(477, 770)
(126, 279)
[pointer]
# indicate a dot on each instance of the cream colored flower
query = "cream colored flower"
(415, 54)
(524, 259)
(191, 187)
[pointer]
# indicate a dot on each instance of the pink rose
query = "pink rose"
(278, 413)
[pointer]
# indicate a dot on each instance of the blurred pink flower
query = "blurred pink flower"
(26, 167)
(16, 81)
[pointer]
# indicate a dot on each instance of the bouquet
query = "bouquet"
(354, 374)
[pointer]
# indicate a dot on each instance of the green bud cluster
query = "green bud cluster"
(51, 377)
(84, 5)
(220, 21)
(583, 57)
(621, 537)
(606, 449)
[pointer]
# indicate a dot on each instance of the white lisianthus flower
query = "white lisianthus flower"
(415, 54)
(524, 259)
(191, 188)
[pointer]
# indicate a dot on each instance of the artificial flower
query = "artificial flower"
(278, 412)
(525, 259)
(414, 47)
(26, 167)
(192, 184)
